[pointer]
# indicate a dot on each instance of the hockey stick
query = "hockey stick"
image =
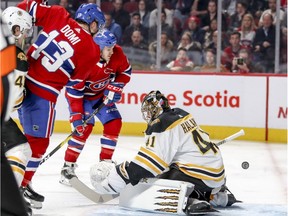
(232, 137)
(89, 193)
(70, 135)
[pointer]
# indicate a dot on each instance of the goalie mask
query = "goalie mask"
(153, 105)
(17, 18)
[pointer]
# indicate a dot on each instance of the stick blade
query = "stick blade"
(89, 193)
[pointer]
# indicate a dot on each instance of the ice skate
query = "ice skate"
(34, 198)
(27, 203)
(67, 172)
(231, 197)
(198, 207)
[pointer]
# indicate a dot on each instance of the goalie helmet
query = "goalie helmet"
(153, 105)
(14, 17)
(105, 38)
(90, 12)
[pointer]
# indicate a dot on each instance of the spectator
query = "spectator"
(199, 10)
(283, 51)
(284, 21)
(193, 47)
(113, 27)
(247, 31)
(135, 25)
(264, 45)
(68, 7)
(181, 9)
(210, 63)
(242, 64)
(137, 51)
(236, 19)
(229, 7)
(144, 13)
(120, 16)
(168, 15)
(167, 48)
(182, 62)
(272, 11)
(212, 14)
(232, 51)
(256, 7)
(208, 37)
(213, 43)
(193, 26)
(164, 27)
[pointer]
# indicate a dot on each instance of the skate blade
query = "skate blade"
(35, 204)
(65, 182)
(204, 212)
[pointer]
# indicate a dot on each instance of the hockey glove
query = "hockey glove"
(113, 92)
(76, 120)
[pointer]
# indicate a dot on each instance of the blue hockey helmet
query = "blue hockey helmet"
(89, 13)
(105, 38)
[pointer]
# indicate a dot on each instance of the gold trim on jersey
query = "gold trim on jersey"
(149, 160)
(17, 169)
(202, 172)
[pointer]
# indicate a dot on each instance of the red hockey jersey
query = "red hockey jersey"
(63, 52)
(118, 69)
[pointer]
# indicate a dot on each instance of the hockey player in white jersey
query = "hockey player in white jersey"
(176, 148)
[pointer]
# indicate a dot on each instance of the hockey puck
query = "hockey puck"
(245, 165)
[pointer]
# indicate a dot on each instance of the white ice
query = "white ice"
(262, 187)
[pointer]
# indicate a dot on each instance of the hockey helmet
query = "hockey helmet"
(90, 12)
(105, 38)
(14, 17)
(153, 105)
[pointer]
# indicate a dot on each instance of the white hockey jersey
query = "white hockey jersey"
(175, 139)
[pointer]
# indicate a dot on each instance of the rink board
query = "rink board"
(222, 104)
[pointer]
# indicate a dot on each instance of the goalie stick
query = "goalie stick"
(232, 137)
(70, 135)
(89, 193)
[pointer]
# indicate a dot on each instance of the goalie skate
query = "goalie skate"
(198, 207)
(34, 198)
(67, 173)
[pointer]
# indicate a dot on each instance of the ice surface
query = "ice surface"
(262, 187)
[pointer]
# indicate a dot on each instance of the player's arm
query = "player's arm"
(42, 13)
(123, 73)
(121, 77)
(74, 93)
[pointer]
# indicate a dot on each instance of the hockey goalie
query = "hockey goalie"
(178, 170)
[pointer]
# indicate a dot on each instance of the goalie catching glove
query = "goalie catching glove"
(77, 122)
(113, 92)
(107, 178)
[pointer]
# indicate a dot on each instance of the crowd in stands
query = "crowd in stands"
(189, 33)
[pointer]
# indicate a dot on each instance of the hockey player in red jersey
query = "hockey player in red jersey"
(14, 146)
(113, 73)
(63, 53)
(176, 148)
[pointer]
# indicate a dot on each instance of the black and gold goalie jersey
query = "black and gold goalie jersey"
(20, 73)
(175, 138)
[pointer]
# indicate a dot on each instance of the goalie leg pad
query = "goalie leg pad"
(18, 158)
(160, 195)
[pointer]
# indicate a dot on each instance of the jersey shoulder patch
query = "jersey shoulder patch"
(165, 120)
(22, 63)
